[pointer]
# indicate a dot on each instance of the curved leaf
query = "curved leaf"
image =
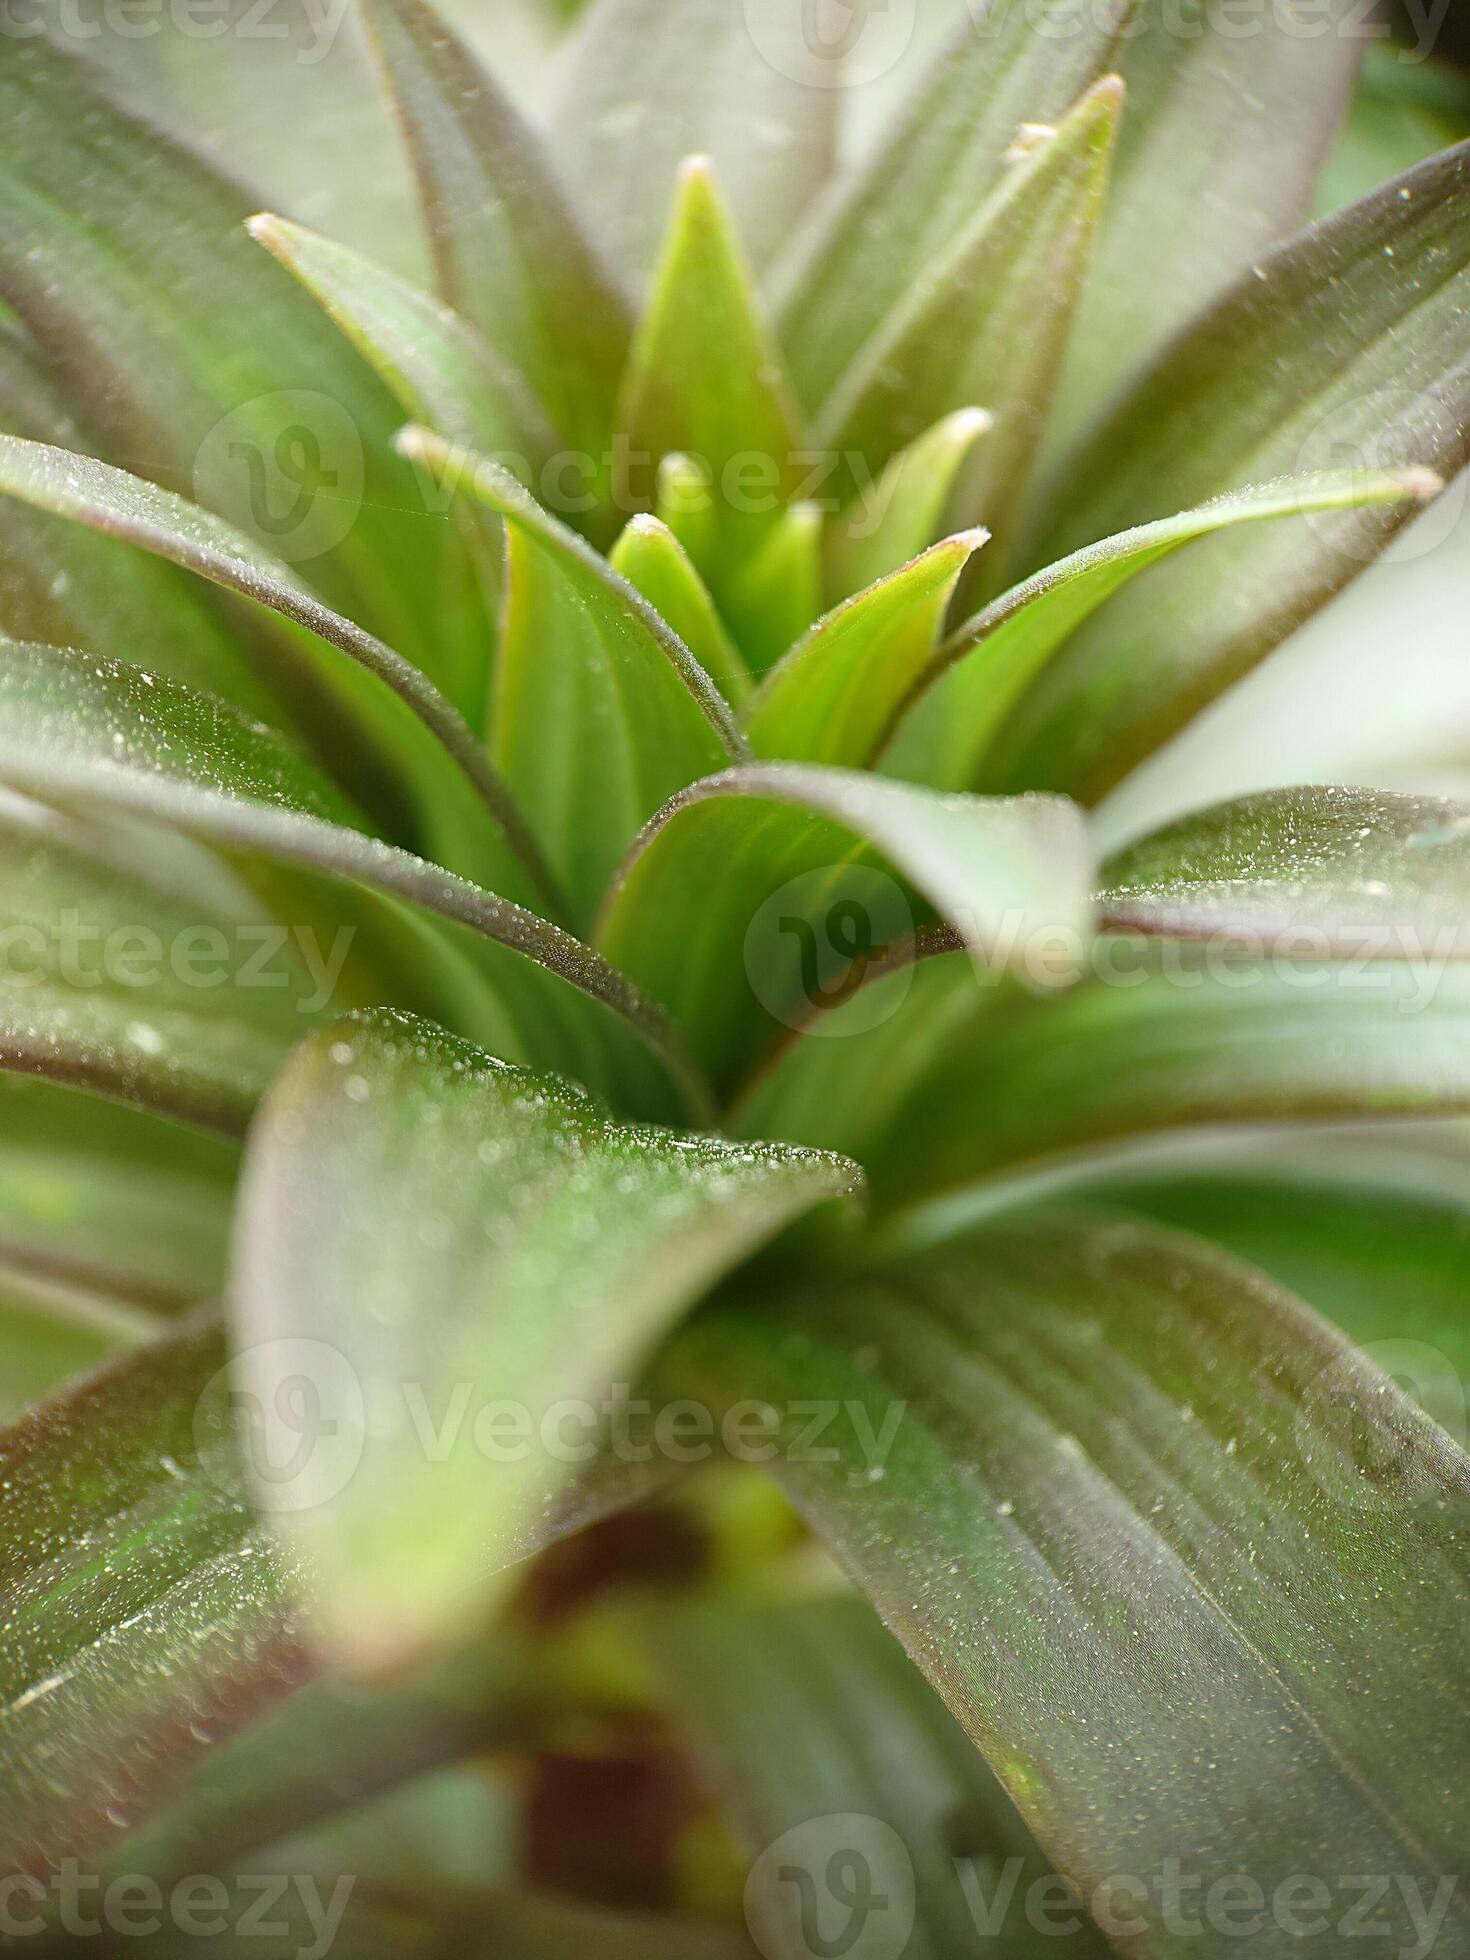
(419, 1214)
(903, 513)
(110, 737)
(105, 1200)
(986, 665)
(987, 320)
(833, 696)
(653, 561)
(195, 358)
(1190, 1572)
(944, 157)
(824, 1747)
(646, 85)
(121, 506)
(440, 371)
(1390, 1267)
(758, 897)
(509, 253)
(1347, 342)
(601, 710)
(1165, 1035)
(51, 1333)
(1356, 870)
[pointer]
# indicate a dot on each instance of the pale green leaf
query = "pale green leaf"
(1190, 1572)
(762, 896)
(903, 512)
(1353, 871)
(601, 711)
(987, 664)
(837, 692)
(779, 592)
(421, 1214)
(653, 561)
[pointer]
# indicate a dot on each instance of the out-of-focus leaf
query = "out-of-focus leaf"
(986, 665)
(1166, 1035)
(1403, 111)
(1353, 870)
(986, 321)
(60, 584)
(705, 378)
(650, 557)
(779, 592)
(198, 361)
(508, 250)
(1218, 157)
(144, 1611)
(945, 156)
(903, 513)
(106, 1200)
(99, 987)
(647, 85)
(760, 896)
(1391, 1267)
(49, 1333)
(836, 693)
(415, 727)
(601, 710)
(439, 368)
(822, 1744)
(1347, 344)
(1133, 1510)
(418, 1215)
(131, 745)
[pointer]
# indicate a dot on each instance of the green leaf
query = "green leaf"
(653, 561)
(100, 924)
(986, 320)
(822, 1745)
(106, 1200)
(59, 584)
(439, 368)
(1346, 344)
(50, 1333)
(1219, 153)
(197, 359)
(420, 1214)
(1189, 1571)
(145, 1611)
(1353, 871)
(779, 592)
(939, 165)
(987, 664)
(705, 377)
(902, 514)
(110, 738)
(1388, 1266)
(646, 85)
(1165, 1035)
(508, 250)
(368, 680)
(835, 694)
(601, 710)
(759, 897)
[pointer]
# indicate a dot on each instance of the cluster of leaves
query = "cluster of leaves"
(596, 1090)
